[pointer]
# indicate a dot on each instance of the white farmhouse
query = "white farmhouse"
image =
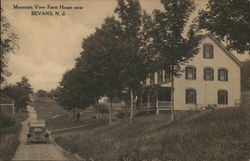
(212, 77)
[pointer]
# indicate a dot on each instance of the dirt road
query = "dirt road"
(36, 151)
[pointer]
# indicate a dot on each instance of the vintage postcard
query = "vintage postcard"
(125, 80)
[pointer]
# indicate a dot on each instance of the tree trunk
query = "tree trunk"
(172, 96)
(131, 106)
(110, 111)
(97, 110)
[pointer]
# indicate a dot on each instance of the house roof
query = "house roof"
(211, 36)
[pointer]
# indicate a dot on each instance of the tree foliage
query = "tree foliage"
(169, 41)
(73, 91)
(24, 83)
(41, 93)
(103, 55)
(245, 76)
(135, 24)
(9, 43)
(121, 53)
(138, 63)
(229, 20)
(20, 93)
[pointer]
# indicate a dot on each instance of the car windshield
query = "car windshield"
(37, 129)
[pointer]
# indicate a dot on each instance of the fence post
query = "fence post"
(13, 107)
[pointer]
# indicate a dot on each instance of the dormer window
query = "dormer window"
(190, 73)
(208, 51)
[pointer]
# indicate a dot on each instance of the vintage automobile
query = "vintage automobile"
(37, 132)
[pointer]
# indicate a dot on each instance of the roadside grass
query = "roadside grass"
(9, 137)
(56, 117)
(220, 135)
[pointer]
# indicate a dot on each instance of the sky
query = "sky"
(49, 45)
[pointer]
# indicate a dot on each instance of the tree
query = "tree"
(93, 80)
(8, 44)
(229, 20)
(42, 93)
(73, 91)
(104, 53)
(24, 83)
(245, 76)
(172, 48)
(20, 92)
(137, 65)
(51, 93)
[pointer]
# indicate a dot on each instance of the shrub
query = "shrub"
(6, 119)
(8, 146)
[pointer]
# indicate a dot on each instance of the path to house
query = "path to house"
(36, 151)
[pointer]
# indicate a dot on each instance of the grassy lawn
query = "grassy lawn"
(9, 137)
(220, 135)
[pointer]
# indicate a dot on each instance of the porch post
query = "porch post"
(172, 97)
(157, 106)
(13, 107)
(141, 101)
(148, 100)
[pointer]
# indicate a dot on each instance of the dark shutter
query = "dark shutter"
(186, 91)
(226, 93)
(186, 72)
(218, 97)
(212, 71)
(212, 51)
(204, 50)
(194, 73)
(204, 73)
(219, 73)
(226, 71)
(195, 97)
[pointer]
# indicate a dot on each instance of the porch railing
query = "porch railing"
(164, 104)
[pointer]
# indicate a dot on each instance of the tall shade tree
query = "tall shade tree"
(25, 84)
(20, 92)
(172, 47)
(93, 81)
(228, 20)
(9, 43)
(73, 91)
(104, 54)
(137, 66)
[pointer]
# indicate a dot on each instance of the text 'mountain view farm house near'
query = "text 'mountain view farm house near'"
(212, 77)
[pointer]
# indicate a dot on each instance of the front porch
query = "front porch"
(156, 100)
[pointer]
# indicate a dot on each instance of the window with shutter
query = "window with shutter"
(222, 74)
(190, 73)
(208, 51)
(191, 96)
(208, 74)
(222, 97)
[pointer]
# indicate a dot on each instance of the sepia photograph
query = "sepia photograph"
(125, 80)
